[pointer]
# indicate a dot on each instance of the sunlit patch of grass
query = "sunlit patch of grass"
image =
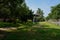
(49, 25)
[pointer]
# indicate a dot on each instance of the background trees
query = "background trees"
(40, 13)
(55, 12)
(15, 9)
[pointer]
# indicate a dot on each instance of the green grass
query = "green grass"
(7, 24)
(30, 31)
(49, 25)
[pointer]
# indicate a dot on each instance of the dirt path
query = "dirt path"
(8, 29)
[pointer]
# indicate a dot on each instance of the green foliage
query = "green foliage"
(55, 12)
(8, 7)
(6, 24)
(16, 9)
(47, 32)
(40, 13)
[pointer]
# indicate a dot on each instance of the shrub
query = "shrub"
(6, 24)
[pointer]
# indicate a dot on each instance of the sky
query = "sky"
(44, 5)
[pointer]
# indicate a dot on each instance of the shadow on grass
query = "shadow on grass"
(28, 25)
(45, 26)
(34, 34)
(6, 24)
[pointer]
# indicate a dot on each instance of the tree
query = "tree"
(55, 12)
(25, 13)
(40, 13)
(8, 8)
(14, 9)
(48, 17)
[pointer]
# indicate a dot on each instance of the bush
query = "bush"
(6, 24)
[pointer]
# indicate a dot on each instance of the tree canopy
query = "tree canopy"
(16, 9)
(55, 12)
(40, 13)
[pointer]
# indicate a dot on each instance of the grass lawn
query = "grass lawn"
(49, 25)
(30, 31)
